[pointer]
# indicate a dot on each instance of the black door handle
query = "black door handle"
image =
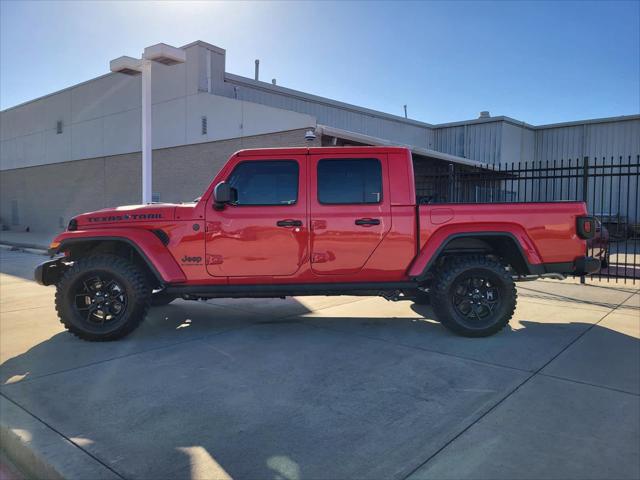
(289, 223)
(368, 221)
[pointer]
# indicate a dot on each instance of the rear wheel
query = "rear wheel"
(102, 297)
(474, 296)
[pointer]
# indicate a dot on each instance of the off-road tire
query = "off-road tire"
(134, 286)
(161, 299)
(453, 274)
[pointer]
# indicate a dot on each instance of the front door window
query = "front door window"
(273, 182)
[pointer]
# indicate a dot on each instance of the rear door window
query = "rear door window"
(349, 181)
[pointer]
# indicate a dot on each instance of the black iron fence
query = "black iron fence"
(609, 186)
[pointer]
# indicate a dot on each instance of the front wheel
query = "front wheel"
(474, 296)
(102, 297)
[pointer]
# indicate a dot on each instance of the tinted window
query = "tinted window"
(349, 181)
(266, 182)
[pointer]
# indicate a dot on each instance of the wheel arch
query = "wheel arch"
(120, 247)
(503, 244)
(144, 248)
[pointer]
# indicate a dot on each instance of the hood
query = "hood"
(129, 214)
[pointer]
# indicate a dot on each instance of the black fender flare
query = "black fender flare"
(70, 242)
(528, 268)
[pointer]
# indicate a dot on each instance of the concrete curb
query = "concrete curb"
(25, 247)
(41, 452)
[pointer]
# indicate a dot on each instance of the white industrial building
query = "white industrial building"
(79, 149)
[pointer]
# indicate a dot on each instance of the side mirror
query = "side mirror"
(224, 194)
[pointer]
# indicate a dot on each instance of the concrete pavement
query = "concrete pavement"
(326, 387)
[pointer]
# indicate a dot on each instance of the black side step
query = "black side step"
(288, 290)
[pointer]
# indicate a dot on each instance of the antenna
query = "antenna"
(405, 111)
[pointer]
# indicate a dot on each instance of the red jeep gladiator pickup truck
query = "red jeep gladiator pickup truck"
(312, 221)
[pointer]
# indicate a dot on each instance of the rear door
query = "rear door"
(349, 209)
(265, 233)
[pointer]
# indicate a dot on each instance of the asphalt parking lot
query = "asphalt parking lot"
(326, 388)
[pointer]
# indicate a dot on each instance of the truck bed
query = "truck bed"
(546, 231)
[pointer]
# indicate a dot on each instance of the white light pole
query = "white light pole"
(147, 146)
(160, 53)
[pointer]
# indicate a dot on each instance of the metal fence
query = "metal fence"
(609, 186)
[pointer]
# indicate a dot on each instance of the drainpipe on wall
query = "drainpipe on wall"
(209, 86)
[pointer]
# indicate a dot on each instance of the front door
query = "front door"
(265, 233)
(350, 210)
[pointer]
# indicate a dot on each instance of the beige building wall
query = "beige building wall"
(46, 197)
(102, 117)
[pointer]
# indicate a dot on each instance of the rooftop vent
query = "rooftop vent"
(484, 114)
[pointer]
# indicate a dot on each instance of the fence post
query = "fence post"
(585, 179)
(585, 191)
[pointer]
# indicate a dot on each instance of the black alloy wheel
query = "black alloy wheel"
(475, 298)
(100, 297)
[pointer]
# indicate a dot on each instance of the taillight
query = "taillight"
(586, 227)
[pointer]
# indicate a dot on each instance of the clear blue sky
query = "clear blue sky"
(540, 62)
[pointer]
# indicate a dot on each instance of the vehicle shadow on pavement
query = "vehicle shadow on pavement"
(525, 345)
(164, 327)
(284, 401)
(173, 325)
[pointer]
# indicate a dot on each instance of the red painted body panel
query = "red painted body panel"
(546, 231)
(402, 186)
(243, 245)
(149, 244)
(339, 246)
(131, 215)
(246, 240)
